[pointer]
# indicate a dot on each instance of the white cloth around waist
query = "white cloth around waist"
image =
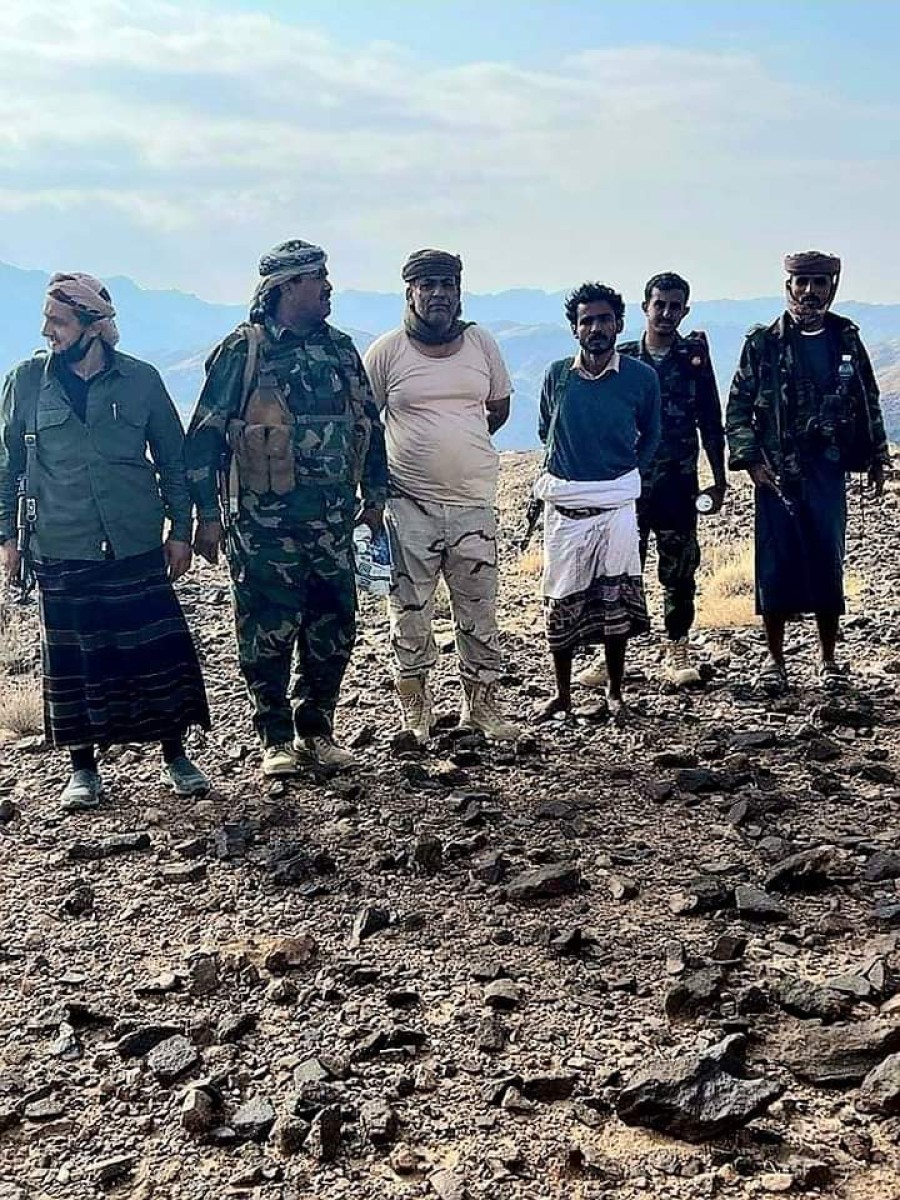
(580, 550)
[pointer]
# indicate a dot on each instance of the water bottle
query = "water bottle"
(704, 504)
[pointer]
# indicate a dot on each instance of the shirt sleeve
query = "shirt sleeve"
(218, 403)
(649, 424)
(373, 484)
(546, 405)
(12, 455)
(501, 385)
(880, 451)
(375, 365)
(165, 438)
(743, 447)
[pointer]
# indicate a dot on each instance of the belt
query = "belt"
(580, 514)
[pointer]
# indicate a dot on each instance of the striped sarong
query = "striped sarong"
(119, 664)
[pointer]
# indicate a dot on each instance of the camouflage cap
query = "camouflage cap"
(431, 262)
(812, 262)
(296, 256)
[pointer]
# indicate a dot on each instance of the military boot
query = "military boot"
(416, 707)
(481, 710)
(678, 669)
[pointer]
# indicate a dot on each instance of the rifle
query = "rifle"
(532, 516)
(26, 516)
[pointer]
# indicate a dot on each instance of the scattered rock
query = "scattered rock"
(253, 1121)
(289, 1135)
(199, 1111)
(138, 1042)
(879, 1092)
(882, 866)
(110, 1170)
(324, 1139)
(447, 1184)
(109, 847)
(545, 883)
(754, 904)
(290, 954)
(368, 921)
(379, 1122)
(78, 901)
(697, 1096)
(802, 998)
(809, 870)
(839, 1055)
(502, 994)
(172, 1058)
(549, 1087)
(694, 993)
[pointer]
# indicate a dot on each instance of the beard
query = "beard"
(809, 312)
(76, 352)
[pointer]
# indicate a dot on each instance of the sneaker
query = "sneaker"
(82, 793)
(772, 680)
(184, 778)
(481, 710)
(416, 707)
(832, 677)
(678, 668)
(279, 760)
(327, 753)
(595, 674)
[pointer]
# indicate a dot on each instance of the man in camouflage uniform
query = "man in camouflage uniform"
(667, 507)
(802, 412)
(289, 533)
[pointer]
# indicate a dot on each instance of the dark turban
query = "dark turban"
(284, 262)
(812, 262)
(423, 263)
(87, 296)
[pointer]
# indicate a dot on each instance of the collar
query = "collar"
(578, 365)
(121, 364)
(278, 333)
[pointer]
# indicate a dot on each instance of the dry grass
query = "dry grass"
(528, 563)
(21, 707)
(726, 598)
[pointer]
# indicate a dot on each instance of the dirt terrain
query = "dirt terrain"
(452, 973)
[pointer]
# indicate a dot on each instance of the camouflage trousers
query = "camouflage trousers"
(674, 527)
(459, 542)
(295, 611)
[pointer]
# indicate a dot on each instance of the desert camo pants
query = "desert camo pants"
(459, 542)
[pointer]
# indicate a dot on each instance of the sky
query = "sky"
(546, 142)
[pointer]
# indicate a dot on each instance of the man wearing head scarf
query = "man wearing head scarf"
(802, 412)
(287, 408)
(443, 390)
(99, 445)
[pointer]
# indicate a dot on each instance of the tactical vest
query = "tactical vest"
(276, 449)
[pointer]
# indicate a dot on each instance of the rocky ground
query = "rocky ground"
(657, 961)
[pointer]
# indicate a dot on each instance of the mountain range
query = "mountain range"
(176, 331)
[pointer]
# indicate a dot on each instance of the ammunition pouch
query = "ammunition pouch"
(262, 441)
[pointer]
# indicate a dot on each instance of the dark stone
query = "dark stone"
(701, 781)
(140, 1041)
(186, 872)
(704, 894)
(754, 904)
(729, 948)
(110, 1170)
(694, 994)
(549, 1087)
(427, 855)
(547, 882)
(233, 839)
(379, 1122)
(882, 866)
(840, 1055)
(502, 994)
(253, 1121)
(289, 1134)
(753, 739)
(672, 759)
(368, 921)
(490, 869)
(879, 1092)
(491, 1036)
(697, 1096)
(807, 871)
(109, 847)
(324, 1140)
(79, 901)
(172, 1058)
(802, 998)
(887, 912)
(232, 1026)
(294, 864)
(291, 953)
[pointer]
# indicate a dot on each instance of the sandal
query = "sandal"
(832, 677)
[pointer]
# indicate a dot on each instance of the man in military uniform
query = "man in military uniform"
(667, 507)
(802, 412)
(287, 398)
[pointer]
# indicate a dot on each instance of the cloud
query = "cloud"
(173, 144)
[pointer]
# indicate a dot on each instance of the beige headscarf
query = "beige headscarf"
(86, 295)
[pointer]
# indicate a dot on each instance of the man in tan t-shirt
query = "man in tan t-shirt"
(443, 390)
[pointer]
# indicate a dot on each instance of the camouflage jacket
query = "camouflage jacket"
(769, 417)
(690, 404)
(321, 376)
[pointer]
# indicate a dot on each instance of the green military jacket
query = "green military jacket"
(768, 418)
(338, 437)
(101, 485)
(690, 407)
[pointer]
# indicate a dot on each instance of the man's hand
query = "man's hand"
(497, 413)
(716, 493)
(9, 559)
(373, 516)
(876, 478)
(763, 477)
(178, 557)
(208, 540)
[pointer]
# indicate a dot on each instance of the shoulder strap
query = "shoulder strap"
(560, 384)
(255, 337)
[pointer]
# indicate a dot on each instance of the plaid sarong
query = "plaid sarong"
(119, 664)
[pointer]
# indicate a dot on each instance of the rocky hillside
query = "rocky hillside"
(652, 961)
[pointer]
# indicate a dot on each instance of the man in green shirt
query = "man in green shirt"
(104, 471)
